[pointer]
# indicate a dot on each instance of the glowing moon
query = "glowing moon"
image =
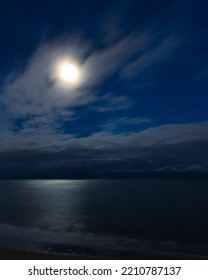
(66, 72)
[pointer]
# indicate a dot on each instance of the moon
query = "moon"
(67, 73)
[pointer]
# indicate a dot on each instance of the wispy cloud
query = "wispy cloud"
(153, 57)
(169, 134)
(110, 102)
(124, 121)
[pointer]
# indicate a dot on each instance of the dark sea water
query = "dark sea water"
(110, 218)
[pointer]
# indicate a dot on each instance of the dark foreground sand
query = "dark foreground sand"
(14, 254)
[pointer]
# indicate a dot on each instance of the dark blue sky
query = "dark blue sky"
(141, 106)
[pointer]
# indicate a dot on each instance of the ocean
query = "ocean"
(115, 219)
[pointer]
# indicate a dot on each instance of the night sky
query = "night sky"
(140, 108)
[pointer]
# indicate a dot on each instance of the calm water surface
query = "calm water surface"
(106, 217)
